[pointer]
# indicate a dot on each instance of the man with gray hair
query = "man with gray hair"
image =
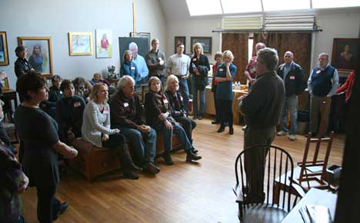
(262, 108)
(322, 84)
(126, 115)
(139, 62)
(295, 84)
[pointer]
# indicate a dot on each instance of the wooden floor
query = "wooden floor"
(180, 193)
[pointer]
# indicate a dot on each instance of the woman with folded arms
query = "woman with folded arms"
(96, 129)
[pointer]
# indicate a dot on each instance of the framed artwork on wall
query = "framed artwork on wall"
(125, 43)
(104, 45)
(142, 35)
(344, 53)
(206, 42)
(179, 39)
(4, 55)
(80, 44)
(38, 53)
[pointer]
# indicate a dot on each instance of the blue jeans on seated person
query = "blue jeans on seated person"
(144, 144)
(167, 136)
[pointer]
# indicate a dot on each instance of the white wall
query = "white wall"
(55, 18)
(336, 23)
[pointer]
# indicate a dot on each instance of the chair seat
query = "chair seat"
(263, 213)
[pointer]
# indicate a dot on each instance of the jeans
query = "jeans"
(291, 106)
(144, 144)
(167, 136)
(188, 125)
(184, 90)
(196, 89)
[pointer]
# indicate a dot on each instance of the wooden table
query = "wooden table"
(210, 105)
(313, 197)
(10, 95)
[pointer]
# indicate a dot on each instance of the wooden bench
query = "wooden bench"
(93, 161)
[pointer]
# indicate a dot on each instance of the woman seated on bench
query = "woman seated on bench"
(96, 129)
(159, 118)
(69, 113)
(176, 103)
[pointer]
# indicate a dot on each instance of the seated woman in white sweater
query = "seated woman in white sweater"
(96, 129)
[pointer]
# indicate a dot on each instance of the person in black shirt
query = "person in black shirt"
(38, 132)
(176, 103)
(55, 94)
(21, 64)
(69, 113)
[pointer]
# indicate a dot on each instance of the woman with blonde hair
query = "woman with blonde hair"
(158, 116)
(224, 76)
(96, 129)
(199, 68)
(176, 105)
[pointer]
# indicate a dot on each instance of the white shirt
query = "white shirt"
(178, 65)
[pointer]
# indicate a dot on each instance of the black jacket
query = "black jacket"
(203, 66)
(295, 80)
(176, 103)
(21, 67)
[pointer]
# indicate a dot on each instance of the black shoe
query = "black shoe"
(151, 168)
(215, 122)
(200, 117)
(62, 209)
(167, 159)
(221, 129)
(131, 175)
(231, 131)
(192, 157)
(195, 117)
(193, 150)
(135, 168)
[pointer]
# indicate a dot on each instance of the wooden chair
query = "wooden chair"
(305, 174)
(255, 205)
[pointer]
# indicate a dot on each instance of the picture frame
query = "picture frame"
(206, 42)
(5, 83)
(38, 53)
(179, 39)
(345, 53)
(80, 44)
(4, 54)
(142, 35)
(104, 43)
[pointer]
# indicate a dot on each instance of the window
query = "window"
(280, 5)
(204, 7)
(241, 6)
(334, 3)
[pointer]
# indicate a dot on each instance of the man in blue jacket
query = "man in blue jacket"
(295, 84)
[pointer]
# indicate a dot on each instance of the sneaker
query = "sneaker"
(281, 133)
(292, 137)
(151, 168)
(192, 157)
(167, 159)
(243, 128)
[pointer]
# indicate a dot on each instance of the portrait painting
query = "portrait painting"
(345, 53)
(38, 53)
(206, 43)
(80, 44)
(179, 39)
(4, 56)
(137, 46)
(104, 43)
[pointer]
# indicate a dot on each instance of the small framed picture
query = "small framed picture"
(344, 53)
(4, 55)
(80, 44)
(104, 43)
(38, 53)
(206, 43)
(179, 39)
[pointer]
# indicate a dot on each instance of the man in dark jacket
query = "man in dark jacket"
(295, 84)
(155, 60)
(21, 64)
(262, 108)
(126, 115)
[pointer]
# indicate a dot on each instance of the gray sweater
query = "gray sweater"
(96, 123)
(263, 105)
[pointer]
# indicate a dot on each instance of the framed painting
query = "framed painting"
(80, 44)
(345, 53)
(206, 42)
(4, 55)
(142, 35)
(179, 39)
(137, 46)
(38, 53)
(104, 43)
